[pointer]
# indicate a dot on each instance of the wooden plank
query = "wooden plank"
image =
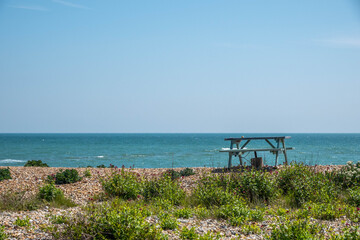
(255, 149)
(245, 144)
(256, 138)
(270, 143)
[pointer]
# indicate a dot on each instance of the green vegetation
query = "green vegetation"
(116, 219)
(49, 192)
(3, 236)
(59, 219)
(48, 195)
(25, 222)
(35, 163)
(183, 213)
(65, 177)
(294, 199)
(5, 174)
(125, 185)
(168, 222)
(183, 173)
(298, 229)
(87, 173)
(187, 172)
(192, 235)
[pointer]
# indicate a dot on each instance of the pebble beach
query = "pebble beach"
(29, 179)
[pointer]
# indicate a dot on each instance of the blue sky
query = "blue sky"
(179, 66)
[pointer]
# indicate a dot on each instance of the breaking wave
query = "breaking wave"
(11, 161)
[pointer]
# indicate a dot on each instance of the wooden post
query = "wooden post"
(277, 152)
(240, 159)
(230, 157)
(283, 143)
(230, 154)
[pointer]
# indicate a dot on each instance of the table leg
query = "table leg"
(285, 155)
(230, 157)
(277, 152)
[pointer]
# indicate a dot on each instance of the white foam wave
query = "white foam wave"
(11, 161)
(100, 156)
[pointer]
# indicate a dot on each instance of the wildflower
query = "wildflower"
(358, 209)
(309, 208)
(339, 209)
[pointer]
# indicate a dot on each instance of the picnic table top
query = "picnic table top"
(256, 138)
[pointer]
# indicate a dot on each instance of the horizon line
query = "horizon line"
(179, 132)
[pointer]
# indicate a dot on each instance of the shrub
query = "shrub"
(101, 166)
(250, 229)
(163, 188)
(349, 234)
(168, 222)
(173, 174)
(233, 210)
(18, 201)
(254, 185)
(202, 212)
(65, 177)
(35, 163)
(126, 185)
(187, 172)
(115, 220)
(213, 191)
(301, 184)
(3, 236)
(354, 196)
(295, 230)
(183, 213)
(192, 235)
(322, 211)
(5, 174)
(348, 176)
(188, 233)
(22, 222)
(87, 173)
(59, 219)
(49, 192)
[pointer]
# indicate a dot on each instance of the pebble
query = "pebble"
(31, 178)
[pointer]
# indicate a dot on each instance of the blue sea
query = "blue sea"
(167, 150)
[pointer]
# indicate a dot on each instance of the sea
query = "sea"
(152, 150)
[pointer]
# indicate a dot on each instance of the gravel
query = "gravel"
(29, 179)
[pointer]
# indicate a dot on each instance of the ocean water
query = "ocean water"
(167, 150)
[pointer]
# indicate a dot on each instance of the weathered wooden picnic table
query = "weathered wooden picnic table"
(239, 150)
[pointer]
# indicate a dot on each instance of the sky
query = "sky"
(203, 66)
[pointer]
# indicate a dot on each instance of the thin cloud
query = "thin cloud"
(353, 42)
(33, 8)
(69, 4)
